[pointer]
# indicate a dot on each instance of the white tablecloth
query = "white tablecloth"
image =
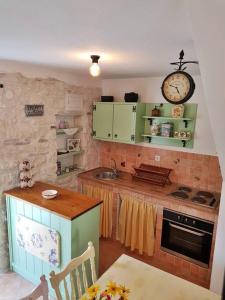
(149, 283)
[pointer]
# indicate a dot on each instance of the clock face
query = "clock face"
(178, 87)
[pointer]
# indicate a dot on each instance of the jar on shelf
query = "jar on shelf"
(155, 129)
(156, 112)
(167, 129)
(59, 168)
(62, 124)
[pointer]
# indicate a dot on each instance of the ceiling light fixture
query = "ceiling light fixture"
(94, 68)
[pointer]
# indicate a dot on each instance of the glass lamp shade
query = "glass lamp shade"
(95, 69)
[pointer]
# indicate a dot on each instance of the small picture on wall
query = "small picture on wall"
(73, 145)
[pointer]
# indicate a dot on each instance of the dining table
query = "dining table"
(146, 282)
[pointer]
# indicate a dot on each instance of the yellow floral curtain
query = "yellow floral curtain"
(106, 209)
(137, 222)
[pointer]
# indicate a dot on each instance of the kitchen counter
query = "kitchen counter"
(67, 204)
(158, 194)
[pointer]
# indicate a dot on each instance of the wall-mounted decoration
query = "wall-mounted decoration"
(34, 110)
(25, 174)
(73, 102)
(39, 240)
(73, 145)
(177, 111)
(178, 87)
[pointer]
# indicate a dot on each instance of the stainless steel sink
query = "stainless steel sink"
(107, 175)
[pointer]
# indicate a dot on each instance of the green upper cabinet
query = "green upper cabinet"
(103, 121)
(119, 121)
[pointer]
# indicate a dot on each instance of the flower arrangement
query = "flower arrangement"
(112, 291)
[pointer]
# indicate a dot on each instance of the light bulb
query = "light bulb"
(95, 69)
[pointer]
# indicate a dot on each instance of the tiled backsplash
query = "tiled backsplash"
(196, 170)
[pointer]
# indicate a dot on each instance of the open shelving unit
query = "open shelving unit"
(69, 154)
(73, 172)
(186, 123)
(149, 137)
(61, 131)
(73, 159)
(185, 120)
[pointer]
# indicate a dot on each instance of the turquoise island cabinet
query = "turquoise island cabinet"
(71, 219)
(118, 121)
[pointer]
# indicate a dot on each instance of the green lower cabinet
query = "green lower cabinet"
(74, 238)
(119, 122)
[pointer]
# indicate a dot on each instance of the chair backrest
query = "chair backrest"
(73, 269)
(40, 291)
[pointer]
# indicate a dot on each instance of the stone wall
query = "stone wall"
(32, 137)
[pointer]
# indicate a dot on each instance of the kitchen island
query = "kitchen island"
(71, 220)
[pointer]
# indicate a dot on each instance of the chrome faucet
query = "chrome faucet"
(115, 170)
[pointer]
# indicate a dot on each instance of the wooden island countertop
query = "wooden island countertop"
(67, 204)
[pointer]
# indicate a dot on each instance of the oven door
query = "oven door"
(192, 244)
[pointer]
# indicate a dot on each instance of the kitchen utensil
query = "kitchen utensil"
(49, 194)
(70, 131)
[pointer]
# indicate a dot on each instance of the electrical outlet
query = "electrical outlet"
(157, 157)
(123, 164)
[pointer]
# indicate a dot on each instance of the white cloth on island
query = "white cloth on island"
(39, 240)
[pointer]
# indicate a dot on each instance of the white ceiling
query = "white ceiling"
(134, 37)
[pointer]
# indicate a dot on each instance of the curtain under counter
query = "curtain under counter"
(137, 224)
(106, 209)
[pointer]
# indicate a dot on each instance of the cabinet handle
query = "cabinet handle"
(109, 134)
(115, 135)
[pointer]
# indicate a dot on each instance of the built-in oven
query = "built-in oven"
(187, 236)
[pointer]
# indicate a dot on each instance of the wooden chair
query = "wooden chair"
(76, 281)
(40, 291)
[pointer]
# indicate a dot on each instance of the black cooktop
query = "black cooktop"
(203, 198)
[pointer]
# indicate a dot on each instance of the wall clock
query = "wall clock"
(178, 87)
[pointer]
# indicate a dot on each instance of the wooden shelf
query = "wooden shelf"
(151, 118)
(167, 118)
(149, 136)
(69, 113)
(73, 172)
(69, 154)
(61, 131)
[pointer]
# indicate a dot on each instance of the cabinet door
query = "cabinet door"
(103, 120)
(124, 122)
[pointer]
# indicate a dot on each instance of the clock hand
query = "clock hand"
(175, 88)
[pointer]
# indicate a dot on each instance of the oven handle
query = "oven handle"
(187, 230)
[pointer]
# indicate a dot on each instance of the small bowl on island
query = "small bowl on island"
(49, 194)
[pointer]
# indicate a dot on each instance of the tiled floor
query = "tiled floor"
(110, 250)
(13, 286)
